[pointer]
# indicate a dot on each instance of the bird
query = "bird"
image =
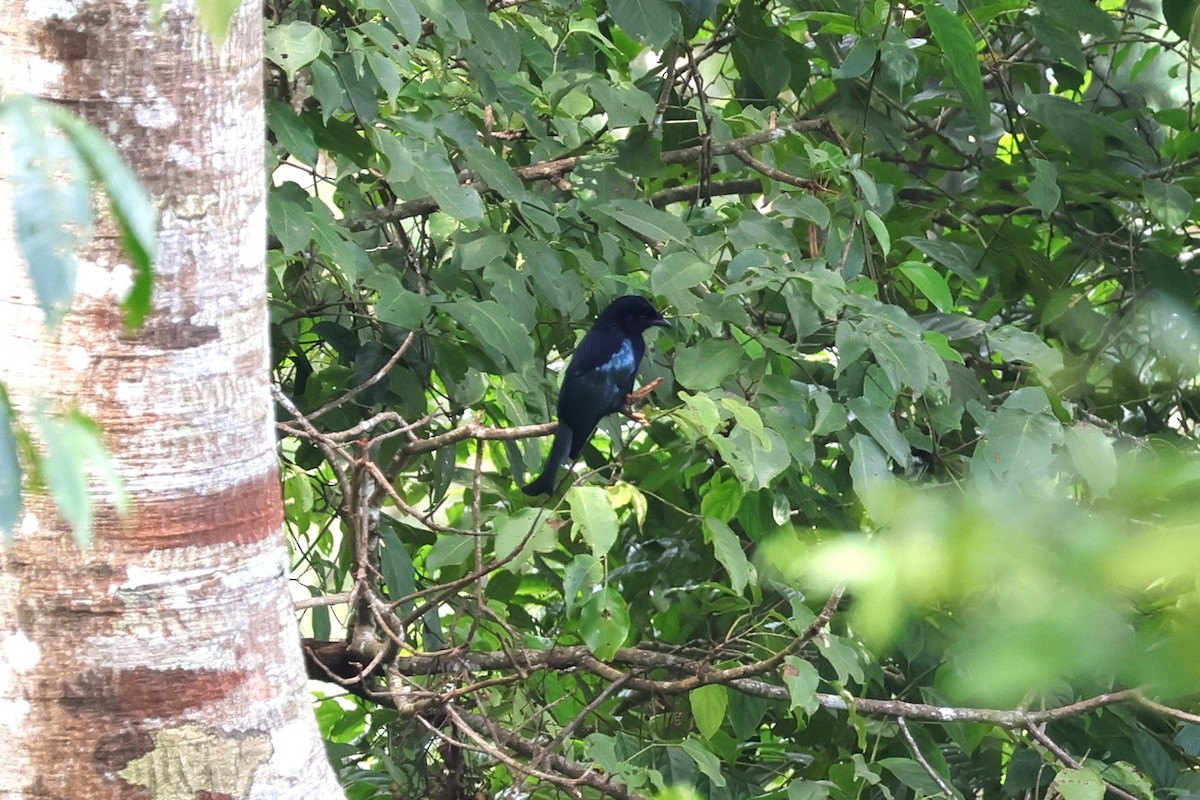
(598, 379)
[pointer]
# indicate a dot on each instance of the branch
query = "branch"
(579, 657)
(473, 429)
(527, 748)
(682, 194)
(555, 169)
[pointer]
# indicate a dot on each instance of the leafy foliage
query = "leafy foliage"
(55, 160)
(923, 246)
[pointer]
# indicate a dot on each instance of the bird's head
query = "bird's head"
(632, 314)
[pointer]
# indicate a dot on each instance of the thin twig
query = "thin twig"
(919, 756)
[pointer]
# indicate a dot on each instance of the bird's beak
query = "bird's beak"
(661, 323)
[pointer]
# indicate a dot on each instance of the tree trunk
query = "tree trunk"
(163, 662)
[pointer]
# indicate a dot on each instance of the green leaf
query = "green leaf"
(584, 573)
(1081, 15)
(450, 550)
(1014, 344)
(401, 14)
(73, 453)
(605, 623)
(708, 364)
(294, 45)
(592, 512)
(396, 565)
(879, 230)
(1079, 784)
(708, 708)
(959, 56)
(958, 258)
(494, 330)
(216, 16)
(52, 205)
(10, 472)
(708, 763)
(1043, 192)
(288, 217)
(1169, 203)
(645, 220)
(912, 775)
(882, 427)
(655, 22)
(679, 272)
(757, 458)
(525, 529)
(929, 282)
(1093, 455)
(1183, 18)
(801, 679)
(131, 207)
(860, 59)
(728, 550)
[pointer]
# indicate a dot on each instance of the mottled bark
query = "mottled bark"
(164, 661)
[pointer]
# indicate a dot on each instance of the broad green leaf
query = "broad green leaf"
(1082, 15)
(708, 708)
(912, 775)
(1183, 18)
(604, 620)
(450, 550)
(645, 220)
(1014, 344)
(708, 763)
(494, 330)
(960, 57)
(1043, 192)
(860, 59)
(801, 679)
(216, 16)
(958, 258)
(708, 364)
(871, 475)
(728, 550)
(52, 205)
(592, 512)
(401, 14)
(1169, 203)
(396, 565)
(1093, 455)
(655, 22)
(74, 452)
(679, 272)
(807, 790)
(288, 217)
(929, 282)
(584, 573)
(292, 133)
(879, 230)
(525, 529)
(882, 427)
(131, 207)
(756, 465)
(1080, 784)
(700, 412)
(10, 472)
(723, 498)
(294, 45)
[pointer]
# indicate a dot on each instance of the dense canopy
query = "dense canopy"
(913, 512)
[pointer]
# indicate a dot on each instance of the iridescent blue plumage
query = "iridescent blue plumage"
(597, 380)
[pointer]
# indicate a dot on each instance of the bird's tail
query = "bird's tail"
(558, 452)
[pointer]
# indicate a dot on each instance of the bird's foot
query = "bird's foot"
(639, 396)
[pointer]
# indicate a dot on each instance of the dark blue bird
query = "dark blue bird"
(598, 378)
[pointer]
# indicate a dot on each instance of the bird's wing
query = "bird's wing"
(596, 387)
